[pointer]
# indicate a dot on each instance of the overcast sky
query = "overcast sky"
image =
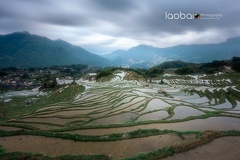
(102, 26)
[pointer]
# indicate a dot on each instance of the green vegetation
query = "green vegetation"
(174, 64)
(110, 71)
(69, 108)
(104, 73)
(187, 70)
(49, 83)
(236, 64)
(13, 108)
(29, 50)
(154, 71)
(23, 156)
(208, 68)
(85, 138)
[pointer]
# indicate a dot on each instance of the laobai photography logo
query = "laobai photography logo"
(191, 16)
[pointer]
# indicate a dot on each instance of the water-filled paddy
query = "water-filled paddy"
(182, 112)
(156, 104)
(55, 147)
(116, 119)
(122, 102)
(212, 123)
(158, 115)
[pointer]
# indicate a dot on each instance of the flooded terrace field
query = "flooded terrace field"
(123, 106)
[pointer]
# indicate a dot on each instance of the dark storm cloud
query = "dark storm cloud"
(121, 23)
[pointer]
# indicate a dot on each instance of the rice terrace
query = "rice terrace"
(121, 116)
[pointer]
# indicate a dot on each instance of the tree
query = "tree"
(154, 71)
(3, 73)
(236, 66)
(236, 63)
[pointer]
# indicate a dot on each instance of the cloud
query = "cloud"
(108, 25)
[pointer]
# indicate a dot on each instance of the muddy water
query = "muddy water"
(55, 147)
(53, 120)
(212, 123)
(116, 119)
(220, 149)
(6, 128)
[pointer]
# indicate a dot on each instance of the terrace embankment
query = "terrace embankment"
(219, 149)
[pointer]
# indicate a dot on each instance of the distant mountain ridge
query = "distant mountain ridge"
(22, 49)
(146, 56)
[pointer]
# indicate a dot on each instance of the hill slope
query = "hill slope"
(21, 49)
(147, 56)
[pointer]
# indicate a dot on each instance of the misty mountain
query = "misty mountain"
(146, 56)
(22, 49)
(114, 54)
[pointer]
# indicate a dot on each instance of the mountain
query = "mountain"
(22, 49)
(114, 54)
(146, 56)
(140, 56)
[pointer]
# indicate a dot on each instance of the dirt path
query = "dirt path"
(54, 146)
(226, 148)
(212, 123)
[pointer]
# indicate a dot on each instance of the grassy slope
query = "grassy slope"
(17, 107)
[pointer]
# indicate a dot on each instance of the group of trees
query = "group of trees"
(236, 64)
(182, 68)
(49, 83)
(109, 71)
(187, 70)
(154, 71)
(151, 72)
(174, 64)
(179, 66)
(105, 72)
(211, 67)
